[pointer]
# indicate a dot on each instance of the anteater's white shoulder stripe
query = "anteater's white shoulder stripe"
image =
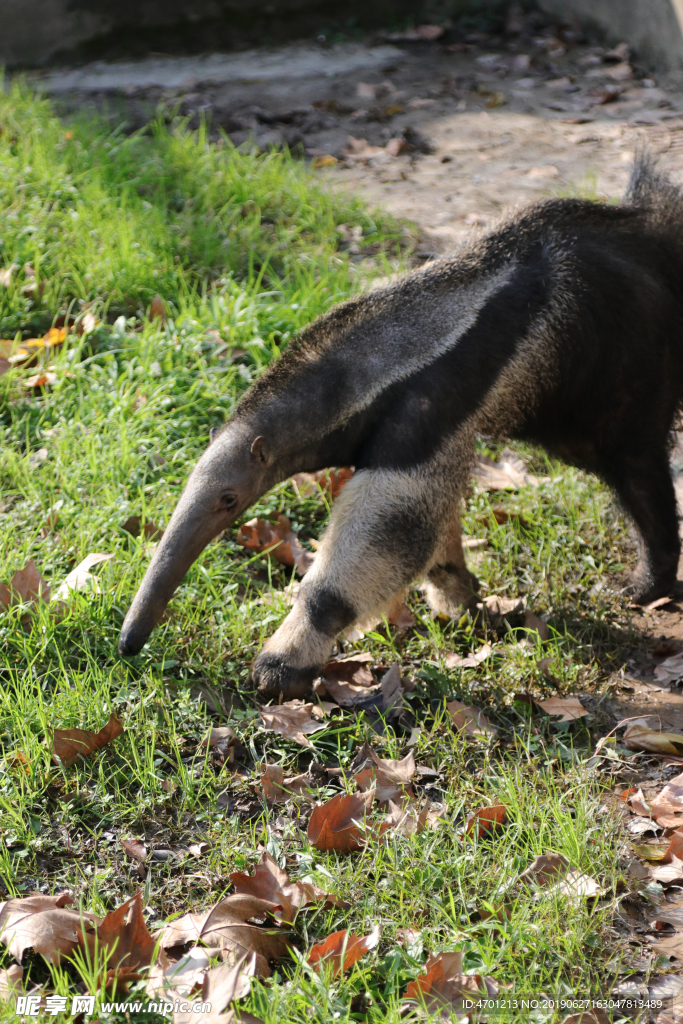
(386, 350)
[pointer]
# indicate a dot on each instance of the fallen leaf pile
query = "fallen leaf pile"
(293, 719)
(277, 539)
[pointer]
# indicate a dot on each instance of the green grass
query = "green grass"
(244, 250)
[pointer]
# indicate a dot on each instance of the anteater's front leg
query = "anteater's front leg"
(382, 535)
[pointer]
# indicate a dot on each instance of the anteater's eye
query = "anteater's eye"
(229, 502)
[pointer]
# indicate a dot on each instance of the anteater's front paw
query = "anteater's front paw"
(644, 587)
(277, 680)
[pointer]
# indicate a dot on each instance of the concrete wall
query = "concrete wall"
(653, 28)
(33, 32)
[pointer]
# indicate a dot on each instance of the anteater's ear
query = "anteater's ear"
(259, 450)
(213, 434)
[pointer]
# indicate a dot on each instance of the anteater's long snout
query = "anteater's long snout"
(188, 533)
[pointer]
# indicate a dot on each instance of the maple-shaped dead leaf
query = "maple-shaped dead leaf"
(177, 979)
(639, 737)
(348, 681)
(341, 950)
(122, 937)
(390, 779)
(407, 818)
(220, 987)
(277, 539)
(339, 824)
(270, 882)
(227, 927)
(331, 481)
(472, 720)
(554, 868)
(81, 578)
(486, 819)
(70, 744)
(443, 987)
(11, 982)
(469, 660)
(157, 309)
(292, 720)
(568, 708)
(134, 526)
(27, 586)
(43, 924)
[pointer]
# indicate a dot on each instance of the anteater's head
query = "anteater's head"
(233, 472)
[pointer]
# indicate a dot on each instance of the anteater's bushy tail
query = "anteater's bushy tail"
(651, 189)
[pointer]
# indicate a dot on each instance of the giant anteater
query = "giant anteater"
(563, 327)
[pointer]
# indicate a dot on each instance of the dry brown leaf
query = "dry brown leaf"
(548, 867)
(331, 481)
(568, 708)
(177, 979)
(487, 819)
(135, 849)
(408, 818)
(533, 622)
(392, 691)
(326, 160)
(390, 779)
(134, 526)
(399, 614)
(442, 986)
(339, 824)
(671, 946)
(270, 882)
(81, 578)
(278, 789)
(182, 930)
(26, 587)
(11, 982)
(667, 807)
(554, 868)
(360, 149)
(277, 539)
(509, 474)
(157, 310)
(70, 744)
(226, 926)
(41, 923)
(669, 874)
(636, 801)
(292, 720)
(41, 380)
(472, 720)
(122, 936)
(348, 681)
(639, 737)
(342, 950)
(499, 608)
(469, 660)
(222, 737)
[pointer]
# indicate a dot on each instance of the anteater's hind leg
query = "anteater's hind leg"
(450, 585)
(382, 535)
(642, 479)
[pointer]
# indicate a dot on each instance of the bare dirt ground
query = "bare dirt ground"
(450, 136)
